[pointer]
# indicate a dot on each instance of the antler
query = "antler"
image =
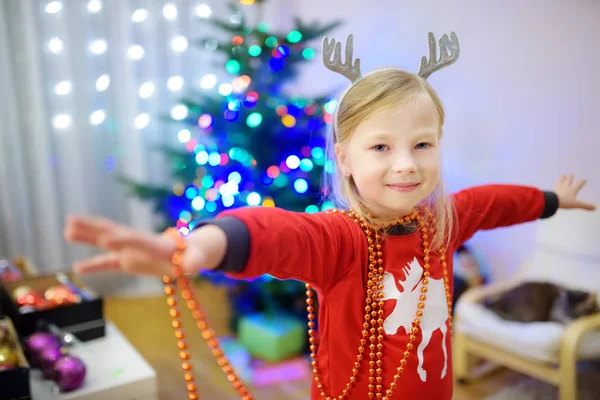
(350, 71)
(428, 68)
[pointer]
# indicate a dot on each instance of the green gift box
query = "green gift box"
(272, 336)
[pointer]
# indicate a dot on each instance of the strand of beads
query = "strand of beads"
(443, 255)
(372, 318)
(208, 334)
(442, 252)
(188, 375)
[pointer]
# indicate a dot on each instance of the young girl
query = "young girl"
(381, 266)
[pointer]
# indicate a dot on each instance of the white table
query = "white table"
(115, 371)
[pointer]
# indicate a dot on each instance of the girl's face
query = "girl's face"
(393, 157)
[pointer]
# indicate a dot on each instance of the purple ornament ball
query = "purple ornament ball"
(48, 358)
(69, 373)
(37, 343)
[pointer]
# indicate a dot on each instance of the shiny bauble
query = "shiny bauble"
(48, 359)
(37, 343)
(69, 373)
(8, 359)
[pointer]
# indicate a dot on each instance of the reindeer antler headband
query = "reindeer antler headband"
(351, 68)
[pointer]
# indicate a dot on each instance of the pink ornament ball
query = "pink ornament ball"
(69, 373)
(37, 343)
(48, 359)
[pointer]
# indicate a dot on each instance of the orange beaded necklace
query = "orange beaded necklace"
(373, 315)
(207, 333)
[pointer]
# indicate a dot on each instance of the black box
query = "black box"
(85, 320)
(14, 383)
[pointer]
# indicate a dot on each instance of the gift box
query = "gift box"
(272, 336)
(84, 318)
(14, 381)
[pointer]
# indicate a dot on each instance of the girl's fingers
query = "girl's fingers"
(87, 229)
(580, 185)
(95, 224)
(569, 179)
(153, 246)
(99, 263)
(78, 236)
(586, 206)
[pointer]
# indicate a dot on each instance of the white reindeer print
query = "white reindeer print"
(435, 314)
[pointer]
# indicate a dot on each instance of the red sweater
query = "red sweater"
(329, 251)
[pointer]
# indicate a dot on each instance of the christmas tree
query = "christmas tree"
(250, 144)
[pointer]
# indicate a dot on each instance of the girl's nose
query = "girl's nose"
(404, 163)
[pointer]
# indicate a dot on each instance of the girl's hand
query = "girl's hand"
(142, 253)
(567, 191)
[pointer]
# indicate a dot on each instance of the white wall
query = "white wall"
(522, 102)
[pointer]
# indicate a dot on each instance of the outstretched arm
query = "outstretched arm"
(244, 243)
(316, 248)
(493, 206)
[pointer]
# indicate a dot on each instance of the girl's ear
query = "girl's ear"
(342, 159)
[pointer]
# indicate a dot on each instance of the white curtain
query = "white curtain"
(83, 85)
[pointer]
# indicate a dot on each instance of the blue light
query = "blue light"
(327, 205)
(234, 105)
(330, 106)
(300, 185)
(284, 50)
(317, 153)
(276, 64)
(211, 206)
(191, 192)
(329, 166)
(207, 181)
(202, 157)
(253, 199)
(231, 115)
(312, 209)
(306, 165)
(184, 135)
(292, 162)
(235, 177)
(230, 188)
(185, 216)
(266, 180)
(198, 203)
(227, 200)
(293, 110)
(214, 158)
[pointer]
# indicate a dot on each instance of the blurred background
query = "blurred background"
(163, 112)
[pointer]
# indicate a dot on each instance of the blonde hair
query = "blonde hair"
(374, 93)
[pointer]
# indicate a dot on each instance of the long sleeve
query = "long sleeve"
(493, 206)
(318, 248)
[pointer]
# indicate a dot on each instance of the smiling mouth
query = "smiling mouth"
(403, 187)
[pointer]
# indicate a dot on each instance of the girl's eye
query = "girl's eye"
(380, 147)
(422, 146)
